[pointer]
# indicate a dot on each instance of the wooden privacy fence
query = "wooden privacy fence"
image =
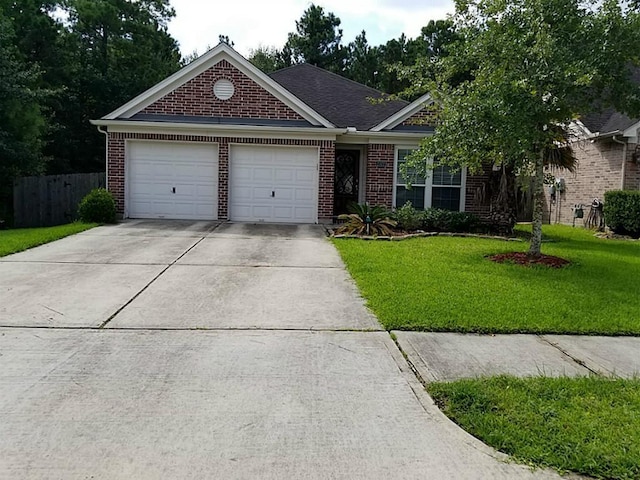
(51, 200)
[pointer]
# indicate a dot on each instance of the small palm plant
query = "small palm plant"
(366, 220)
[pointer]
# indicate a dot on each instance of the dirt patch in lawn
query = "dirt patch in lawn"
(525, 259)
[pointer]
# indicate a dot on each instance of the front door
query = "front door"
(347, 175)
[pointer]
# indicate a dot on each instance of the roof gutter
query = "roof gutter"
(623, 173)
(598, 135)
(135, 126)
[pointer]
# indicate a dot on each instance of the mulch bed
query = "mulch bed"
(521, 258)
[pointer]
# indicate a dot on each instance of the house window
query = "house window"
(415, 194)
(441, 188)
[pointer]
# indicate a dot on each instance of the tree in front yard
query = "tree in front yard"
(519, 73)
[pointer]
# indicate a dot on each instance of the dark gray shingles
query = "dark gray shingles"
(607, 121)
(343, 102)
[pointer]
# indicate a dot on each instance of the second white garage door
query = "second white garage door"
(273, 184)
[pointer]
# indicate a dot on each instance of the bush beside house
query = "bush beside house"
(98, 206)
(622, 212)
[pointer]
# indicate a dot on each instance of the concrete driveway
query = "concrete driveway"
(192, 350)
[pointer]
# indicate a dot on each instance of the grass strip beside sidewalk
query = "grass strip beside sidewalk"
(17, 240)
(589, 425)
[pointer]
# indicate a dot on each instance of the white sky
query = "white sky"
(250, 23)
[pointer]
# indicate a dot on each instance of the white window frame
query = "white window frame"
(428, 185)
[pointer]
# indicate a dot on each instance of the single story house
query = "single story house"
(608, 158)
(220, 139)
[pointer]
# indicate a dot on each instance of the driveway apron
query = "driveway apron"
(253, 276)
(206, 351)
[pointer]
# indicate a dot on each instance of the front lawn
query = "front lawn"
(586, 425)
(13, 241)
(447, 284)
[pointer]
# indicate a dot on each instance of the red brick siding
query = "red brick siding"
(477, 194)
(632, 175)
(379, 182)
(115, 170)
(599, 169)
(196, 98)
(116, 164)
(426, 116)
(326, 176)
(223, 180)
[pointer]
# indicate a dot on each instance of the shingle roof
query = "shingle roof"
(610, 120)
(607, 121)
(343, 102)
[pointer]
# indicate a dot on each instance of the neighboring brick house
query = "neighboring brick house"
(608, 159)
(220, 139)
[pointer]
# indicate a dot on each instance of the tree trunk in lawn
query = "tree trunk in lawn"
(538, 206)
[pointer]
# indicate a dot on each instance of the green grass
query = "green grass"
(13, 241)
(586, 425)
(447, 284)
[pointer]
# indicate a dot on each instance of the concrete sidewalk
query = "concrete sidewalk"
(451, 356)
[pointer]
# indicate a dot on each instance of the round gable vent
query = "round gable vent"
(223, 89)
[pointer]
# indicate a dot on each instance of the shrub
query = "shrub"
(439, 220)
(435, 220)
(366, 220)
(622, 212)
(98, 206)
(408, 218)
(463, 222)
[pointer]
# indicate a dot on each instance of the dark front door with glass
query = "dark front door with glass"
(347, 175)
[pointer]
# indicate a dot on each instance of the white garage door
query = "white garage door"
(273, 184)
(172, 180)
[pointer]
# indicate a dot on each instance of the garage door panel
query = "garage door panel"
(283, 213)
(261, 194)
(285, 195)
(301, 213)
(262, 175)
(305, 177)
(303, 195)
(204, 193)
(155, 169)
(261, 211)
(284, 175)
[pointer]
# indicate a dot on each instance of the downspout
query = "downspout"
(106, 156)
(624, 161)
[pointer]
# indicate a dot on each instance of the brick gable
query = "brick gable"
(196, 98)
(426, 117)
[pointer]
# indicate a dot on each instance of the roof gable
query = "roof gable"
(196, 98)
(342, 101)
(412, 115)
(196, 79)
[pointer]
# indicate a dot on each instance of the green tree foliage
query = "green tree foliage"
(21, 120)
(122, 48)
(532, 67)
(362, 61)
(266, 58)
(317, 41)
